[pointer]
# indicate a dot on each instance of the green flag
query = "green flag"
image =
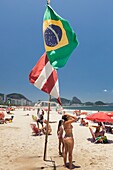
(59, 38)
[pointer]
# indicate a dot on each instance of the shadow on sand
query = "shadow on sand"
(52, 166)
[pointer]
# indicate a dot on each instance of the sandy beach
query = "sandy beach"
(20, 150)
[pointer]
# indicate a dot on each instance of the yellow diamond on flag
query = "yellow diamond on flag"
(54, 35)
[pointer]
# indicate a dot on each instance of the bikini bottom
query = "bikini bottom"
(68, 136)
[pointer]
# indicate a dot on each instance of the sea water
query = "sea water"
(93, 108)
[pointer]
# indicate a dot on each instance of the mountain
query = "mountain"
(17, 96)
(99, 103)
(64, 101)
(88, 103)
(75, 100)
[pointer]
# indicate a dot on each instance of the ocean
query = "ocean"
(91, 108)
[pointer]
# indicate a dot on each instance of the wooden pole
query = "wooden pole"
(46, 137)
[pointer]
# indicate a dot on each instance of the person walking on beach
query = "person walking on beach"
(68, 138)
(60, 137)
(40, 117)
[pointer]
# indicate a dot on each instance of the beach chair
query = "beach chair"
(35, 130)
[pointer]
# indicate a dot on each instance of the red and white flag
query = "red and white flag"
(44, 77)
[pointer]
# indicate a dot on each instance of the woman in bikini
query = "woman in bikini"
(99, 132)
(98, 135)
(68, 138)
(60, 137)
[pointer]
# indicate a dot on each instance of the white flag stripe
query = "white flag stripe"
(55, 90)
(44, 75)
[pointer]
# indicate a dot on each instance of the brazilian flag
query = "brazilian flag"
(59, 38)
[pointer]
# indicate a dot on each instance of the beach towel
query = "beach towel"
(101, 139)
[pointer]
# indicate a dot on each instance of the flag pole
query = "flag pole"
(46, 137)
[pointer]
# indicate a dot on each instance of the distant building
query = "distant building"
(2, 98)
(14, 101)
(20, 102)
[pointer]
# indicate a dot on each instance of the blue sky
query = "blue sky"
(88, 72)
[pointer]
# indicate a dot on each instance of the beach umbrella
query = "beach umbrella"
(110, 114)
(2, 115)
(99, 117)
(77, 112)
(84, 113)
(2, 109)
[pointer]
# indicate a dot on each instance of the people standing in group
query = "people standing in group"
(60, 137)
(68, 139)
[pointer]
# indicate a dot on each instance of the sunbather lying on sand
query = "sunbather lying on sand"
(83, 123)
(9, 119)
(2, 120)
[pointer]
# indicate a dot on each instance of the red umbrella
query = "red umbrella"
(110, 114)
(2, 115)
(99, 117)
(77, 112)
(83, 113)
(2, 109)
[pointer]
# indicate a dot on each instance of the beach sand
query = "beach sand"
(20, 150)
